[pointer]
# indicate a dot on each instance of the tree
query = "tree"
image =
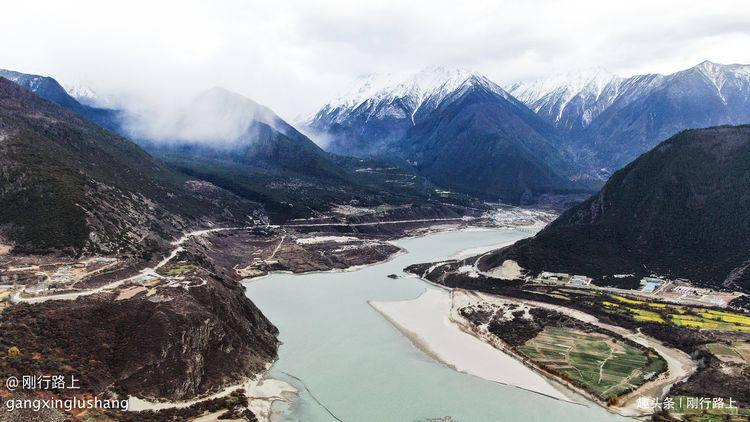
(13, 352)
(614, 400)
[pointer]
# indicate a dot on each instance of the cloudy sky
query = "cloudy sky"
(293, 55)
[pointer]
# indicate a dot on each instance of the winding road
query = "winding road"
(146, 272)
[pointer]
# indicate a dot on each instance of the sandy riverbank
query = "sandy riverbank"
(425, 322)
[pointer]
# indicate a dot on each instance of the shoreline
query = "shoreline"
(352, 268)
(416, 320)
(556, 392)
(446, 343)
(430, 230)
(262, 392)
(680, 366)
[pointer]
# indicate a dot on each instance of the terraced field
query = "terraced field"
(601, 364)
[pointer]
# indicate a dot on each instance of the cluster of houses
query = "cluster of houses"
(679, 290)
(649, 284)
(576, 280)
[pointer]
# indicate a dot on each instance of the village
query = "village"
(29, 278)
(654, 287)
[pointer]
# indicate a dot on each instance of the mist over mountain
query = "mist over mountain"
(453, 126)
(215, 117)
(244, 147)
(215, 121)
(71, 185)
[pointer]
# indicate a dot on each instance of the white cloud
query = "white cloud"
(293, 55)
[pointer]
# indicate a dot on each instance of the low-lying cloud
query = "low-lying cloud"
(216, 117)
(294, 55)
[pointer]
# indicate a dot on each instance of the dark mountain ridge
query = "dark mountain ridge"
(49, 88)
(70, 185)
(680, 210)
(481, 143)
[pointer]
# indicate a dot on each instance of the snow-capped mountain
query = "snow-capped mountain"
(84, 94)
(50, 89)
(402, 95)
(573, 100)
(456, 127)
(609, 120)
(570, 100)
(377, 109)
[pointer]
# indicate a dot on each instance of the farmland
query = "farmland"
(693, 409)
(599, 363)
(684, 316)
(737, 352)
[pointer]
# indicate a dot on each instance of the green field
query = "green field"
(599, 363)
(737, 352)
(174, 270)
(701, 318)
(707, 321)
(708, 415)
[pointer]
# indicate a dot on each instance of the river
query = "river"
(350, 364)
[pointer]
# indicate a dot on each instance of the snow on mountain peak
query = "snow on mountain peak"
(567, 85)
(718, 74)
(553, 94)
(81, 92)
(572, 100)
(432, 83)
(87, 95)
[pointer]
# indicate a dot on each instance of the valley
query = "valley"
(188, 276)
(390, 378)
(428, 245)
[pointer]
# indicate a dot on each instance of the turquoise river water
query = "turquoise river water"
(350, 364)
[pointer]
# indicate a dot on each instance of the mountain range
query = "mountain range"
(69, 185)
(221, 124)
(240, 145)
(608, 120)
(243, 147)
(457, 128)
(450, 127)
(49, 88)
(559, 134)
(680, 210)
